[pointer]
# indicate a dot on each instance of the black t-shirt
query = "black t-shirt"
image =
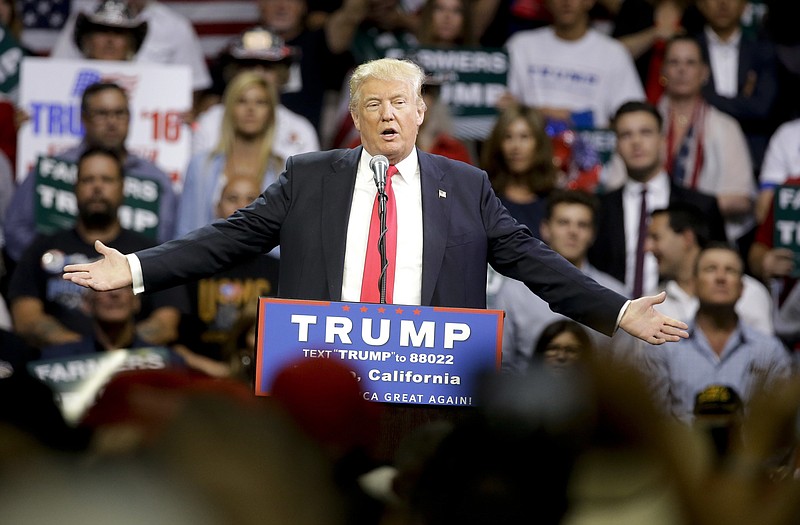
(320, 70)
(219, 302)
(39, 274)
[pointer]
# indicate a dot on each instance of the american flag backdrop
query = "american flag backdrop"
(216, 21)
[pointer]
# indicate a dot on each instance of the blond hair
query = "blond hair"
(233, 92)
(386, 69)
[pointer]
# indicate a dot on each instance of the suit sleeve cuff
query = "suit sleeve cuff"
(137, 279)
(619, 316)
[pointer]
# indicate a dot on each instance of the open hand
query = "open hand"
(642, 320)
(108, 273)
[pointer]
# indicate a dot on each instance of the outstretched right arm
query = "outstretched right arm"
(110, 272)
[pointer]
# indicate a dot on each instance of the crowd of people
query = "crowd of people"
(696, 199)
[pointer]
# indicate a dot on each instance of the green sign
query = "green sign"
(56, 206)
(470, 80)
(753, 17)
(11, 55)
(787, 222)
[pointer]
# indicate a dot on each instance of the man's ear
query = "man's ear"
(421, 108)
(354, 116)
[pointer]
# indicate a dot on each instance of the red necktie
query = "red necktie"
(370, 291)
(638, 277)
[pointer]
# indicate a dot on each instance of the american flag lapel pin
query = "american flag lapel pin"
(442, 194)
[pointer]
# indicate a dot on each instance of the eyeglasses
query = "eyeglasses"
(107, 114)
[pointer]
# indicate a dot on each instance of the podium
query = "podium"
(421, 364)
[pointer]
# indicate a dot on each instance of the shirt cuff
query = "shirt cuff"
(619, 317)
(137, 279)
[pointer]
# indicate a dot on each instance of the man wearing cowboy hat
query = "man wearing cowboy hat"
(111, 32)
(170, 38)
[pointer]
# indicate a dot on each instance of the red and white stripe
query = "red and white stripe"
(216, 22)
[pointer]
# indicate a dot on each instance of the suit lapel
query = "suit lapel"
(337, 188)
(435, 222)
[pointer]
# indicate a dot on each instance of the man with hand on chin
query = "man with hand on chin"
(450, 225)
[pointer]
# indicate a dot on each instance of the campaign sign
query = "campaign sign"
(399, 354)
(56, 205)
(787, 221)
(76, 380)
(51, 91)
(470, 80)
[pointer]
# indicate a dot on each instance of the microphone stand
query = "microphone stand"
(382, 198)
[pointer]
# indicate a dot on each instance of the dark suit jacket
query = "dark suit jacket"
(465, 227)
(754, 112)
(608, 251)
(756, 57)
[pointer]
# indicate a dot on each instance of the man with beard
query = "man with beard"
(47, 310)
(106, 117)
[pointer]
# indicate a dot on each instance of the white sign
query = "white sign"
(51, 90)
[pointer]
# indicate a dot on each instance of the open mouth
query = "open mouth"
(389, 132)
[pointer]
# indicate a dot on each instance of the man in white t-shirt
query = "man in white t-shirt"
(171, 39)
(570, 71)
(781, 162)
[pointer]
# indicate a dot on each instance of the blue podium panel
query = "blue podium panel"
(399, 354)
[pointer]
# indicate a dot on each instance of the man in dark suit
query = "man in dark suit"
(743, 81)
(640, 145)
(449, 225)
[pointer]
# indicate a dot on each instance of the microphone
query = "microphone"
(379, 166)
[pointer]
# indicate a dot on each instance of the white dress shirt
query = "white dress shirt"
(724, 59)
(657, 197)
(408, 196)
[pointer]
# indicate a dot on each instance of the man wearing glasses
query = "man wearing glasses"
(105, 117)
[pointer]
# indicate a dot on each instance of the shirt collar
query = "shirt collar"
(714, 39)
(741, 334)
(659, 183)
(406, 168)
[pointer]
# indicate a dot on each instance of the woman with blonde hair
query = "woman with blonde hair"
(518, 156)
(245, 148)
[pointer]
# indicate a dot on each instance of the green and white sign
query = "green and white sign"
(56, 205)
(471, 82)
(787, 222)
(11, 55)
